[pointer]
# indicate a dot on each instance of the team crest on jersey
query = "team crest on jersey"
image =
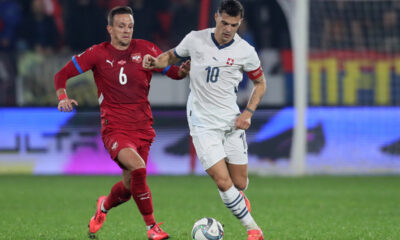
(121, 62)
(136, 57)
(230, 61)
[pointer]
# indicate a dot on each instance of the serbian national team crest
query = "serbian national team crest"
(230, 61)
(136, 57)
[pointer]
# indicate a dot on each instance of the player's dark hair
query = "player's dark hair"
(116, 11)
(231, 7)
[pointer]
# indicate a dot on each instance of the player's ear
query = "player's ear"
(216, 17)
(109, 29)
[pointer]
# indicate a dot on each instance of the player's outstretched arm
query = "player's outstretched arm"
(65, 104)
(162, 61)
(244, 119)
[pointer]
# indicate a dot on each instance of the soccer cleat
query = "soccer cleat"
(255, 234)
(99, 217)
(248, 205)
(156, 233)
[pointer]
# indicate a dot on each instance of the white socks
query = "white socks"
(234, 201)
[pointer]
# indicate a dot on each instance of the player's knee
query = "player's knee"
(223, 183)
(241, 184)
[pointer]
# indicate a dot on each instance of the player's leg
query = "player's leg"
(238, 173)
(236, 149)
(220, 174)
(210, 150)
(235, 146)
(230, 195)
(119, 193)
(136, 175)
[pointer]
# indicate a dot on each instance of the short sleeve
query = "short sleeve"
(252, 61)
(86, 60)
(182, 50)
(154, 51)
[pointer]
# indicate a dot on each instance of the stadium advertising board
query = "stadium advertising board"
(339, 141)
(350, 78)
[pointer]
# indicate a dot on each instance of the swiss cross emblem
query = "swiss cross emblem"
(136, 57)
(230, 61)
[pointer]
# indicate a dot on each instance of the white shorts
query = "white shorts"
(212, 145)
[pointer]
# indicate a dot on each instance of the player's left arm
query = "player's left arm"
(260, 85)
(170, 69)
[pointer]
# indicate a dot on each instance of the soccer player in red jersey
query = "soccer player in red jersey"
(126, 118)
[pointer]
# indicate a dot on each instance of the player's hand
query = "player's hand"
(184, 69)
(243, 121)
(65, 105)
(149, 61)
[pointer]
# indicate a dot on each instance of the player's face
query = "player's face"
(226, 27)
(121, 31)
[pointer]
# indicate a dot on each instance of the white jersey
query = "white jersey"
(215, 74)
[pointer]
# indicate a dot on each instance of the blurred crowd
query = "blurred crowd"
(48, 26)
(38, 36)
(355, 25)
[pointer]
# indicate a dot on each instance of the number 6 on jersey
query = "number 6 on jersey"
(122, 77)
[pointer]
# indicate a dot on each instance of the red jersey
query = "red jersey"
(122, 83)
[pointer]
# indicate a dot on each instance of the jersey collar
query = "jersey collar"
(221, 46)
(123, 52)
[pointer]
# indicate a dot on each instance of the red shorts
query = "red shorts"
(140, 141)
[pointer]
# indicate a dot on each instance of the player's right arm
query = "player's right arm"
(170, 57)
(162, 61)
(60, 82)
(79, 64)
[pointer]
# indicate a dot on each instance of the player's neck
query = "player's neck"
(119, 46)
(220, 41)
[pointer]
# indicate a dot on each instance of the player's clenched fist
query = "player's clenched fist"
(243, 121)
(149, 61)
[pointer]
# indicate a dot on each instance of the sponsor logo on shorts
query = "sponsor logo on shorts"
(114, 146)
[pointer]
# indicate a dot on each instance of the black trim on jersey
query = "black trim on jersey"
(177, 55)
(221, 46)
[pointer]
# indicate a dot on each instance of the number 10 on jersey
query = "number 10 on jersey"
(212, 74)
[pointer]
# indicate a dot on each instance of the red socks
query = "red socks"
(119, 194)
(142, 195)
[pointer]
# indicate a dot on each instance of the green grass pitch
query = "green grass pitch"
(315, 207)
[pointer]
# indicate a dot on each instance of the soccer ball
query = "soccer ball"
(207, 229)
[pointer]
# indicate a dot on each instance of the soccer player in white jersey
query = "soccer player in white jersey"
(218, 58)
